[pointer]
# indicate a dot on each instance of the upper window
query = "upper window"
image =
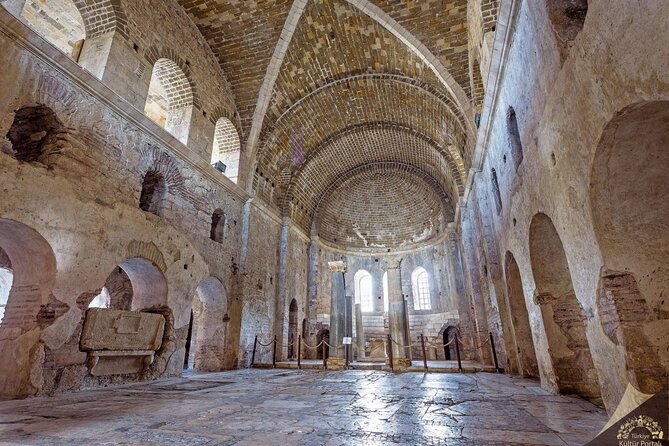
(363, 291)
(169, 102)
(225, 154)
(421, 289)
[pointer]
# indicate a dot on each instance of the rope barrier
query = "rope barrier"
(268, 344)
(440, 345)
(309, 346)
(332, 346)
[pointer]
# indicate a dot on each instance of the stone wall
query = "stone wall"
(580, 87)
(79, 192)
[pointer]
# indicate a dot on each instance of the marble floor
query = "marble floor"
(306, 407)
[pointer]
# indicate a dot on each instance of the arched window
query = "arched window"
(514, 137)
(154, 190)
(363, 291)
(386, 301)
(57, 21)
(169, 102)
(421, 289)
(218, 226)
(495, 191)
(225, 153)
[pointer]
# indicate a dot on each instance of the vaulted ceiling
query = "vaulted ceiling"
(340, 100)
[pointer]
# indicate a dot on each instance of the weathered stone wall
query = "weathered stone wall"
(566, 81)
(82, 196)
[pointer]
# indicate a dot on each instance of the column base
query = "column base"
(336, 363)
(399, 363)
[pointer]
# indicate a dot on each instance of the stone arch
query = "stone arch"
(520, 320)
(363, 284)
(323, 334)
(35, 135)
(292, 329)
(208, 335)
(562, 313)
(29, 273)
(135, 284)
(33, 269)
(226, 151)
(170, 99)
(628, 196)
(154, 191)
(420, 281)
(448, 336)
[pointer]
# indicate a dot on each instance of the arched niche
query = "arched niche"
(35, 135)
(292, 329)
(563, 317)
(520, 319)
(629, 187)
(208, 326)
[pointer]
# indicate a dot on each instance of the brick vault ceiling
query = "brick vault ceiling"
(350, 98)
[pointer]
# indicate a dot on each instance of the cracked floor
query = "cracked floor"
(279, 407)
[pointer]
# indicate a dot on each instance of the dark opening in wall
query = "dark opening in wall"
(33, 134)
(218, 223)
(154, 190)
(567, 18)
(514, 137)
(495, 190)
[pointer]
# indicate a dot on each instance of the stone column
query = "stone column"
(359, 332)
(397, 315)
(337, 314)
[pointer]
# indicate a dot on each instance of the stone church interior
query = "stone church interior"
(331, 222)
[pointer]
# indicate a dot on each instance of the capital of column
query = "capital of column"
(391, 262)
(337, 266)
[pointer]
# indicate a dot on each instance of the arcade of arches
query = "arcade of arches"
(184, 179)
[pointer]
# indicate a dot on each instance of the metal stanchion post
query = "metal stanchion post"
(390, 353)
(422, 344)
(299, 351)
(253, 355)
(494, 353)
(325, 364)
(274, 353)
(457, 351)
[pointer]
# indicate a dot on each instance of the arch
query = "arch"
(34, 135)
(29, 259)
(386, 299)
(207, 336)
(628, 197)
(169, 101)
(495, 191)
(226, 151)
(292, 329)
(136, 284)
(364, 290)
(514, 137)
(154, 191)
(563, 316)
(219, 226)
(420, 281)
(6, 279)
(520, 320)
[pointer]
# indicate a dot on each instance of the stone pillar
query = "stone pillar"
(280, 320)
(337, 314)
(359, 332)
(397, 315)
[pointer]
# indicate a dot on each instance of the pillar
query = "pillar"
(359, 332)
(337, 314)
(397, 314)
